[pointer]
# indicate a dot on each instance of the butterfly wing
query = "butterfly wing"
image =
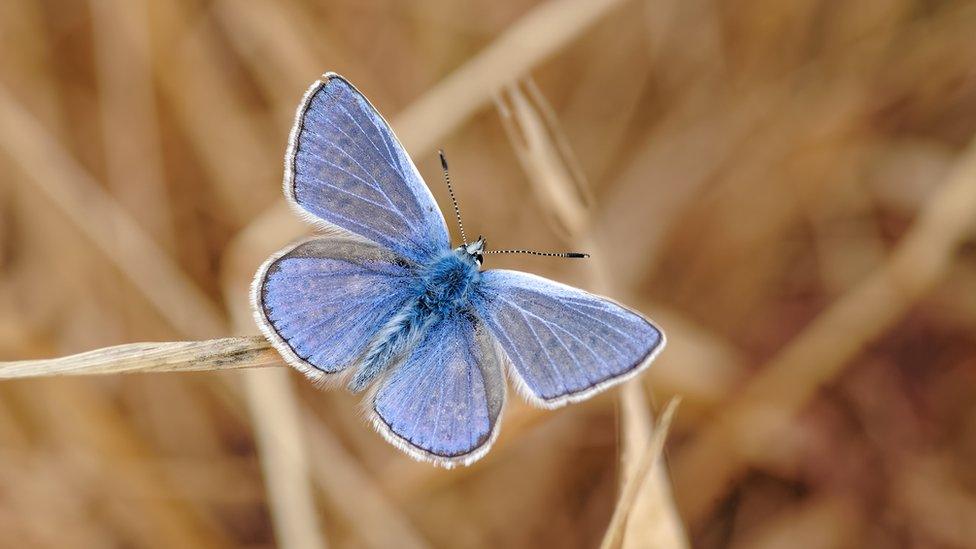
(346, 168)
(443, 403)
(564, 344)
(321, 300)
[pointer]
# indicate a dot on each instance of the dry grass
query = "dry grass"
(788, 188)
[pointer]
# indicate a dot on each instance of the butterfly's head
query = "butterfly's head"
(475, 250)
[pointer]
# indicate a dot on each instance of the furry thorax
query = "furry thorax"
(445, 287)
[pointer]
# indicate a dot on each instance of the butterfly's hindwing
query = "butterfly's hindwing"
(564, 344)
(322, 300)
(444, 401)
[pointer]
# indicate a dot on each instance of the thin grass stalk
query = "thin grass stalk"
(541, 159)
(237, 152)
(212, 355)
(535, 37)
(280, 436)
(640, 480)
(275, 39)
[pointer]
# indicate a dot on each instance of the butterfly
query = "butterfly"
(383, 303)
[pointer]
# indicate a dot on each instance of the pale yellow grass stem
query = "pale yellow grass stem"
(638, 481)
(230, 353)
(647, 514)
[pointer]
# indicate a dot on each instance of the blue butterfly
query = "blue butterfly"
(383, 303)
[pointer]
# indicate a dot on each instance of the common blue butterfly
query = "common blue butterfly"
(383, 302)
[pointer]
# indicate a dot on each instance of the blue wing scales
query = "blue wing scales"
(346, 167)
(564, 344)
(444, 401)
(319, 302)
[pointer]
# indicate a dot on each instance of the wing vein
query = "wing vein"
(549, 326)
(553, 366)
(368, 138)
(374, 185)
(364, 199)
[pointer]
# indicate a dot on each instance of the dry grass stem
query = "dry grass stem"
(232, 353)
(639, 479)
(134, 164)
(280, 435)
(551, 177)
(238, 153)
(535, 37)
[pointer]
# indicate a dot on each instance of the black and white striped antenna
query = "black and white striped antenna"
(570, 255)
(457, 210)
(464, 238)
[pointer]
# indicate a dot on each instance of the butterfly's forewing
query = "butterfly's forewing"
(346, 167)
(564, 344)
(320, 301)
(442, 404)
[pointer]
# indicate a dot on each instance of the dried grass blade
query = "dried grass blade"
(281, 442)
(636, 482)
(543, 160)
(130, 122)
(230, 353)
(545, 163)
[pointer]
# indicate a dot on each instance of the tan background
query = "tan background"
(786, 187)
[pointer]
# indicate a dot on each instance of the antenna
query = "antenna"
(570, 255)
(464, 238)
(457, 210)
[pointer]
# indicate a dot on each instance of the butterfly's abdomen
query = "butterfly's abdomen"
(395, 339)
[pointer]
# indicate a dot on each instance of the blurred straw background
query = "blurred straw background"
(788, 188)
